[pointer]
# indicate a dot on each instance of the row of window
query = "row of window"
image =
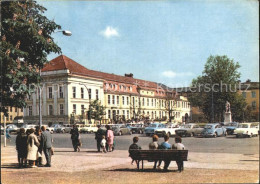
(121, 87)
(7, 118)
(50, 110)
(253, 94)
(161, 103)
(10, 109)
(82, 94)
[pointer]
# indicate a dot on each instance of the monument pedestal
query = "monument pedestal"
(227, 118)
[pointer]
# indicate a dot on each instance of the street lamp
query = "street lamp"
(66, 33)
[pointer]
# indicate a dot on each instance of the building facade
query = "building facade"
(15, 115)
(68, 88)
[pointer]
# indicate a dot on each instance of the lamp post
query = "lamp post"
(66, 33)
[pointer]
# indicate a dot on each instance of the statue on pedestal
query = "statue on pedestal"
(227, 115)
(227, 106)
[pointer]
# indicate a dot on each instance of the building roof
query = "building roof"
(62, 62)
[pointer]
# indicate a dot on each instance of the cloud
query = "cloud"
(109, 32)
(171, 74)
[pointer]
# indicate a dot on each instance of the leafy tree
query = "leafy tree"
(96, 110)
(25, 43)
(217, 85)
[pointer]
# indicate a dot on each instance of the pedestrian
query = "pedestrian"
(154, 146)
(32, 145)
(103, 144)
(38, 133)
(178, 146)
(75, 138)
(46, 141)
(98, 136)
(21, 147)
(134, 146)
(7, 135)
(110, 138)
(166, 145)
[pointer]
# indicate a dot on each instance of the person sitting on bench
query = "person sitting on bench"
(178, 146)
(166, 145)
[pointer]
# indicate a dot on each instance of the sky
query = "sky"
(161, 41)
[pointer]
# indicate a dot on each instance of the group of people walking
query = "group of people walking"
(105, 139)
(31, 144)
(164, 145)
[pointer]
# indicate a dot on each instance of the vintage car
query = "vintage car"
(11, 128)
(56, 128)
(137, 128)
(190, 130)
(168, 129)
(247, 130)
(230, 127)
(150, 130)
(121, 129)
(213, 130)
(89, 129)
(26, 127)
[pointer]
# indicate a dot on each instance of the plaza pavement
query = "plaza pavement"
(66, 161)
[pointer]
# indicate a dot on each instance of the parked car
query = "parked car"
(230, 127)
(59, 129)
(167, 129)
(213, 130)
(150, 130)
(67, 128)
(190, 130)
(89, 129)
(26, 127)
(138, 128)
(247, 130)
(11, 128)
(121, 129)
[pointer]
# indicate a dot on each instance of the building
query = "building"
(68, 88)
(14, 114)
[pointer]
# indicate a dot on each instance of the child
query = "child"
(134, 146)
(103, 144)
(178, 146)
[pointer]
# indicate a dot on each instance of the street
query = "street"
(229, 144)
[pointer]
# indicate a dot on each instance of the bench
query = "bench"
(153, 155)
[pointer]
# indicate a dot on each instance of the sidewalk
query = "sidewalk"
(67, 163)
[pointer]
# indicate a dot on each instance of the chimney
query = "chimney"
(129, 75)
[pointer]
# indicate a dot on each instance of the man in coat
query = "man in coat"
(46, 142)
(98, 137)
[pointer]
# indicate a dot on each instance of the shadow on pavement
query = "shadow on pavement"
(144, 170)
(10, 166)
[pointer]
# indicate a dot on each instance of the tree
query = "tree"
(96, 110)
(216, 86)
(25, 43)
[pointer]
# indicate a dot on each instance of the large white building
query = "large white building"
(68, 87)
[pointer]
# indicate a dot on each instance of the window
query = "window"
(16, 109)
(74, 108)
(253, 93)
(61, 91)
(130, 88)
(74, 92)
(133, 101)
(50, 92)
(108, 99)
(109, 114)
(143, 102)
(21, 109)
(113, 99)
(254, 105)
(61, 109)
(117, 99)
(244, 94)
(147, 101)
(50, 110)
(115, 87)
(11, 117)
(82, 109)
(30, 110)
(96, 94)
(82, 92)
(152, 102)
(127, 101)
(123, 112)
(117, 112)
(123, 100)
(127, 114)
(89, 93)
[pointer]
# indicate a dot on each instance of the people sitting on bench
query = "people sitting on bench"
(165, 146)
(134, 146)
(178, 146)
(154, 146)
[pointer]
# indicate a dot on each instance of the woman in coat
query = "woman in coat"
(75, 138)
(21, 147)
(32, 144)
(110, 138)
